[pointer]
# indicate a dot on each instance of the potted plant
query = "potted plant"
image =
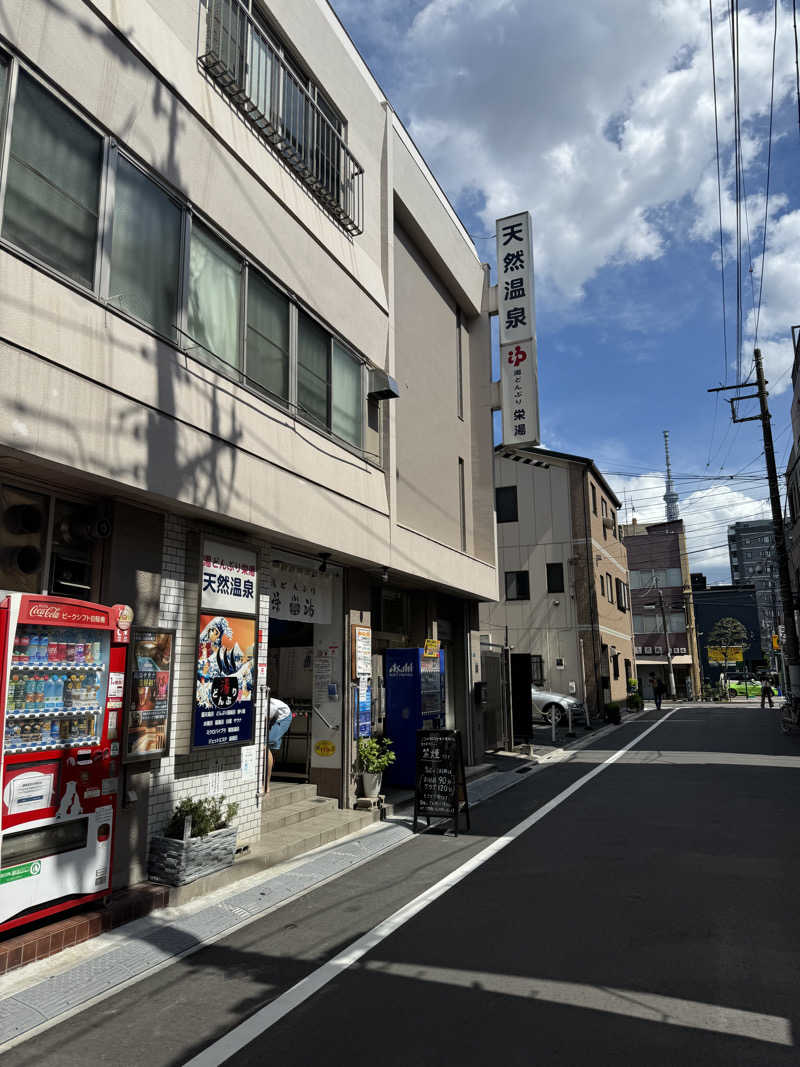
(612, 713)
(374, 755)
(198, 840)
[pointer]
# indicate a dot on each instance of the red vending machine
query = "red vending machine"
(61, 690)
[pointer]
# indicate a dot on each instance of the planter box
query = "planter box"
(175, 862)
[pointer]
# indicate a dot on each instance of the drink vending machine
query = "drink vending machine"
(62, 676)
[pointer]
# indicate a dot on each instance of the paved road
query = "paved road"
(647, 918)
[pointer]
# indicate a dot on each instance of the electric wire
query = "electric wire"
(769, 162)
(796, 60)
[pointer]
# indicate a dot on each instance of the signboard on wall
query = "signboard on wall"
(733, 654)
(229, 578)
(519, 375)
(298, 594)
(224, 694)
(361, 651)
(146, 733)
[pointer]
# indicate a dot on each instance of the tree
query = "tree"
(726, 634)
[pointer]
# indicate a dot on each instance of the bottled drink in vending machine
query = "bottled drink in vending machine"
(44, 646)
(52, 648)
(33, 648)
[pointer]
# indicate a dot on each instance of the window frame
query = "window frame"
(554, 573)
(609, 588)
(15, 66)
(593, 487)
(498, 489)
(99, 292)
(507, 575)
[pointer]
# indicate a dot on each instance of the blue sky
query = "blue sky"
(599, 119)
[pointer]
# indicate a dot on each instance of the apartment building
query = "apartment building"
(754, 562)
(661, 591)
(239, 321)
(565, 604)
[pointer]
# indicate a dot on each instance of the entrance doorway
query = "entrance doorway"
(290, 669)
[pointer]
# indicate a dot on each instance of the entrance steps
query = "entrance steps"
(294, 820)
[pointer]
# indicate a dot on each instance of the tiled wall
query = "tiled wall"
(205, 773)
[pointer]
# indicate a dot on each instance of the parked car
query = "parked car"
(745, 687)
(547, 704)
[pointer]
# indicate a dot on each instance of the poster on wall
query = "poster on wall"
(224, 695)
(229, 578)
(146, 733)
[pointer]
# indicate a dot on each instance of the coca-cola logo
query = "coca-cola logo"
(42, 611)
(57, 613)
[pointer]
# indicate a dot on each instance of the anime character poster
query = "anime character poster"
(224, 697)
(149, 694)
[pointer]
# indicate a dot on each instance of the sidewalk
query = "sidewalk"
(38, 996)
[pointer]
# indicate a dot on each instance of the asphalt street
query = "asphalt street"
(647, 917)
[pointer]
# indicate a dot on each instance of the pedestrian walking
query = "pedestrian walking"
(659, 689)
(279, 719)
(766, 693)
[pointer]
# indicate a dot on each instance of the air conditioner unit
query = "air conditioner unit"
(608, 522)
(381, 385)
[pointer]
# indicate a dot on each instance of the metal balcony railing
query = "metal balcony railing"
(245, 64)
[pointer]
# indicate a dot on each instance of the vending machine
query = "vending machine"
(62, 676)
(415, 700)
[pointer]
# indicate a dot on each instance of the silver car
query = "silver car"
(547, 704)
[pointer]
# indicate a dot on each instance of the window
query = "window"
(604, 510)
(594, 497)
(145, 250)
(53, 185)
(505, 502)
(328, 382)
(312, 370)
(615, 664)
(214, 297)
(555, 577)
(267, 336)
(537, 670)
(517, 585)
(620, 586)
(609, 588)
(462, 504)
(346, 419)
(459, 368)
(602, 586)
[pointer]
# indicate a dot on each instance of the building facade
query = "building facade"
(563, 568)
(751, 548)
(238, 310)
(717, 602)
(659, 567)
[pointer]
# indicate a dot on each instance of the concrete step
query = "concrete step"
(283, 793)
(277, 846)
(291, 814)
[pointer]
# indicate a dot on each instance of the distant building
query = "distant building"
(658, 564)
(722, 602)
(751, 547)
(563, 580)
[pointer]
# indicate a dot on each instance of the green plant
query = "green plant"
(633, 685)
(635, 702)
(207, 814)
(374, 755)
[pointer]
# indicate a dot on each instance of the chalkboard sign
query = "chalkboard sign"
(441, 786)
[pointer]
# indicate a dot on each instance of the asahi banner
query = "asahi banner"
(517, 314)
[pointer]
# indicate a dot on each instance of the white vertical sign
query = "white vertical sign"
(517, 314)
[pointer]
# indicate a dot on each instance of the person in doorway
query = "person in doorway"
(279, 719)
(766, 692)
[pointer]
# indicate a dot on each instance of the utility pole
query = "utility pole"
(672, 690)
(792, 650)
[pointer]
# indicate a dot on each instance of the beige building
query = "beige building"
(564, 580)
(235, 305)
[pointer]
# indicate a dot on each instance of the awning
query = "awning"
(653, 661)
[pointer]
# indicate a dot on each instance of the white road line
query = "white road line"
(241, 1036)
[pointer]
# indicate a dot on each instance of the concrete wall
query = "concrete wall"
(129, 412)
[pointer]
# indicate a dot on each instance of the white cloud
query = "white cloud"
(706, 514)
(600, 118)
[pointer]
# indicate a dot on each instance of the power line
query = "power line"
(721, 241)
(769, 161)
(796, 59)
